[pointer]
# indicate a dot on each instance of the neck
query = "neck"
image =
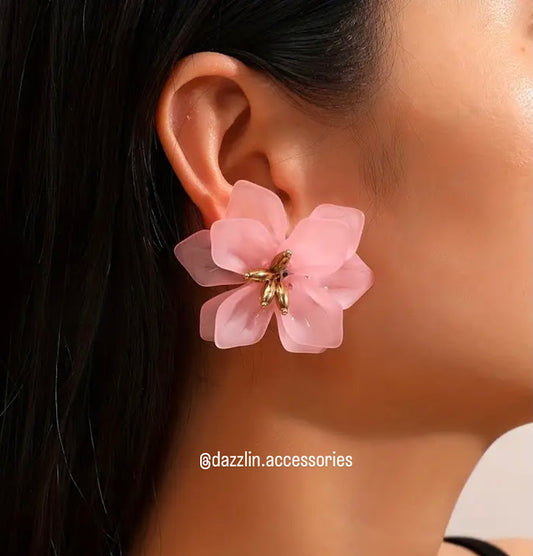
(395, 498)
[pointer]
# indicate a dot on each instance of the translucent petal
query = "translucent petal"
(314, 318)
(249, 200)
(352, 217)
(319, 246)
(208, 314)
(240, 319)
(289, 344)
(194, 253)
(349, 282)
(240, 244)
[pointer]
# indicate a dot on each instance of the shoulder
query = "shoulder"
(514, 546)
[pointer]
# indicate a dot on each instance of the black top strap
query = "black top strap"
(477, 545)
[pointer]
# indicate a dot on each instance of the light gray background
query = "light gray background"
(497, 499)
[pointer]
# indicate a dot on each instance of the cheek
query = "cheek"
(454, 239)
(467, 173)
(464, 107)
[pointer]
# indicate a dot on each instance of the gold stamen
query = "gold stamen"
(268, 292)
(259, 275)
(282, 297)
(272, 277)
(279, 262)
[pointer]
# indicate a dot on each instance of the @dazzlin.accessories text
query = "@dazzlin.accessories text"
(306, 279)
(250, 459)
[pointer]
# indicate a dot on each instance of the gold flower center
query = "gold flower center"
(272, 277)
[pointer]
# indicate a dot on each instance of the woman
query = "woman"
(124, 127)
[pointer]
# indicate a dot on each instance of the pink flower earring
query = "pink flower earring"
(306, 279)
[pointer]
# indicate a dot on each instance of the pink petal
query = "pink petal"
(289, 344)
(240, 244)
(194, 253)
(349, 282)
(319, 246)
(351, 216)
(208, 314)
(240, 319)
(249, 200)
(314, 317)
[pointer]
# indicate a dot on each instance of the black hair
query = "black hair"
(97, 349)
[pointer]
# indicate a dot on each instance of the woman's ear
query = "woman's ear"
(219, 121)
(203, 122)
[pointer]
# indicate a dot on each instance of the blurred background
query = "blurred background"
(497, 500)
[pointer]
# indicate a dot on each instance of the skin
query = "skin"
(436, 359)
